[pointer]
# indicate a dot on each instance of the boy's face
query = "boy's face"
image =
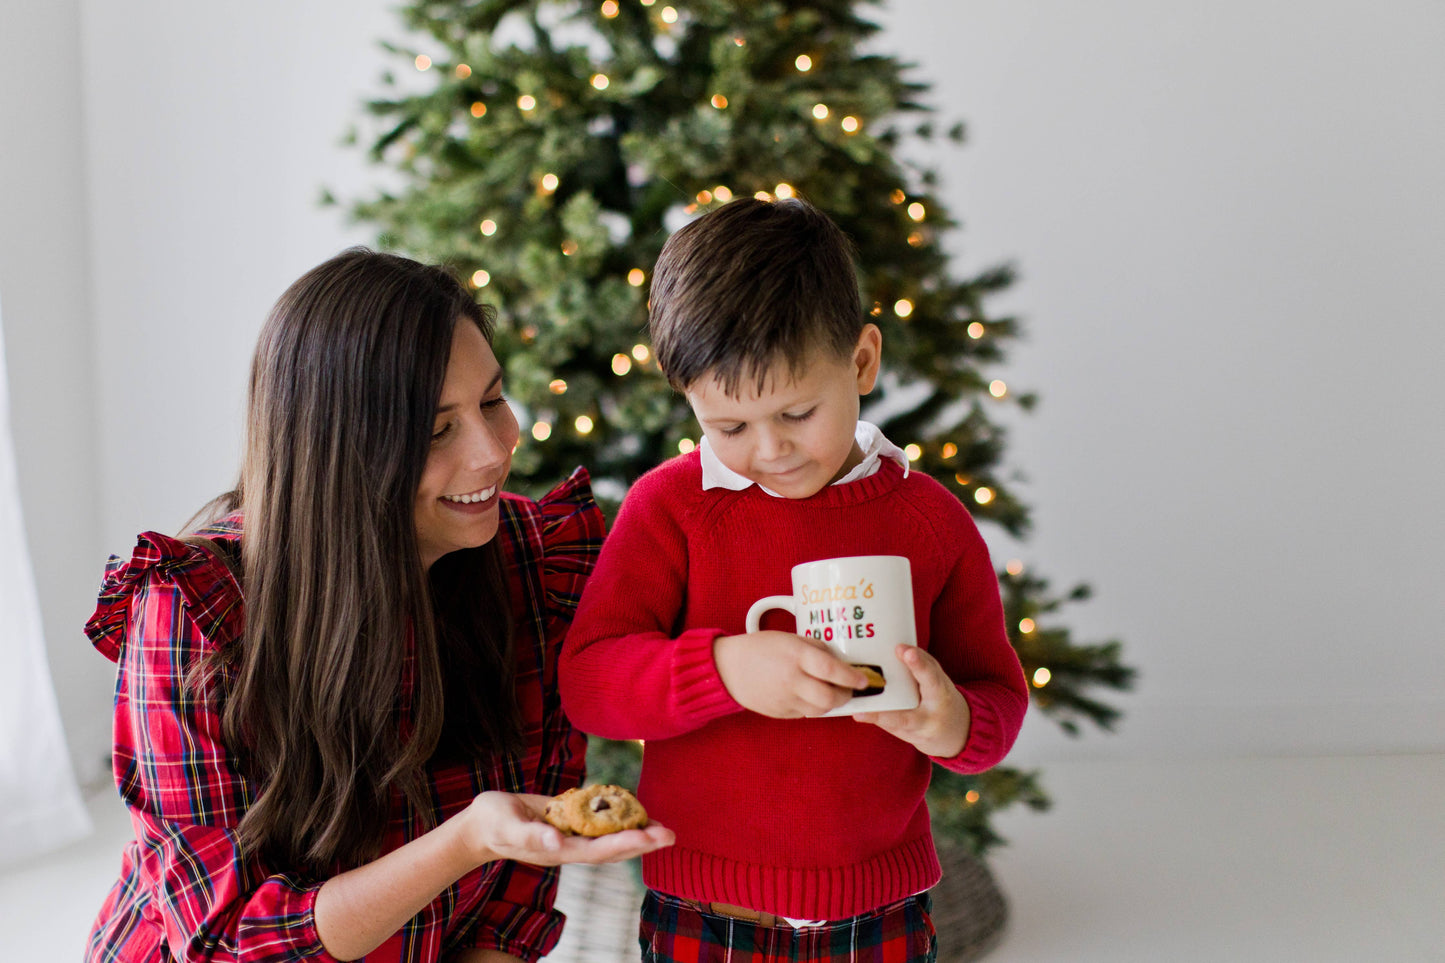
(795, 437)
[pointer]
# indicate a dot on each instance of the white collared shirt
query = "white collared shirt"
(875, 447)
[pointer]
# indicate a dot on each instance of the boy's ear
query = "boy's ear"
(868, 357)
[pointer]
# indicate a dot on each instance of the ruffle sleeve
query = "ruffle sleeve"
(205, 583)
(571, 529)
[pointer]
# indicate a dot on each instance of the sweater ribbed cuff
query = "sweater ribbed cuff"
(987, 741)
(700, 693)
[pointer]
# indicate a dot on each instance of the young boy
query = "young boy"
(796, 835)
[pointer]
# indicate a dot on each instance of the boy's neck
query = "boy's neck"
(854, 459)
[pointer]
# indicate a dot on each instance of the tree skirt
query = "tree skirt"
(602, 904)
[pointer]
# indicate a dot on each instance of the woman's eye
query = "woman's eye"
(441, 432)
(496, 402)
(734, 430)
(801, 417)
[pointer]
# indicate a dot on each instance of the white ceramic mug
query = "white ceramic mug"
(860, 607)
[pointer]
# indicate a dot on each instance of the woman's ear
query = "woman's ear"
(868, 357)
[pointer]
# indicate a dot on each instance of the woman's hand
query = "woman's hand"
(499, 825)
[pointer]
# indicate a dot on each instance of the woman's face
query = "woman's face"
(471, 451)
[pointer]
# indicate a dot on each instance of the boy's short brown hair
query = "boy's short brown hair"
(749, 285)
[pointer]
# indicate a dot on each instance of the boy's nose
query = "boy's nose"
(771, 444)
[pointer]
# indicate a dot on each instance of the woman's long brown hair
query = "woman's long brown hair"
(326, 709)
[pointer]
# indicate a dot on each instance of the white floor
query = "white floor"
(1331, 860)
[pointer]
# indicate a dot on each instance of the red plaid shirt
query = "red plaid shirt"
(184, 891)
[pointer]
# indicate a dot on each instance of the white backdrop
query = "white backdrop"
(1227, 221)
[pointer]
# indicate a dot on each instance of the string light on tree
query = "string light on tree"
(583, 424)
(423, 62)
(975, 330)
(997, 388)
(621, 364)
(719, 101)
(1042, 677)
(916, 211)
(527, 102)
(983, 495)
(636, 277)
(1026, 626)
(600, 81)
(462, 71)
(913, 452)
(685, 445)
(849, 124)
(722, 194)
(949, 450)
(480, 278)
(549, 183)
(1015, 567)
(784, 190)
(903, 307)
(557, 386)
(640, 353)
(804, 63)
(488, 227)
(669, 15)
(542, 430)
(820, 111)
(479, 109)
(610, 9)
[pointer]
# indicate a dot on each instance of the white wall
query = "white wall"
(45, 286)
(1224, 214)
(1228, 218)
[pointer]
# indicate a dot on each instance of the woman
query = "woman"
(358, 764)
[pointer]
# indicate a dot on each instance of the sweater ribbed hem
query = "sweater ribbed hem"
(831, 893)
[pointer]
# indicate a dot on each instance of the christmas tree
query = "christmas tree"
(549, 148)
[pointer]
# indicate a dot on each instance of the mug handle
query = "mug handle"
(755, 614)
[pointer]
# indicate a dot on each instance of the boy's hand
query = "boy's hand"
(939, 726)
(782, 675)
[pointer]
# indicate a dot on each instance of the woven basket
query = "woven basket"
(969, 910)
(602, 904)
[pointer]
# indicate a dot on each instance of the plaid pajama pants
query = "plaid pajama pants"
(676, 931)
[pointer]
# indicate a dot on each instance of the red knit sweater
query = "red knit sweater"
(811, 818)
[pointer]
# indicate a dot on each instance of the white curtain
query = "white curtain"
(40, 804)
